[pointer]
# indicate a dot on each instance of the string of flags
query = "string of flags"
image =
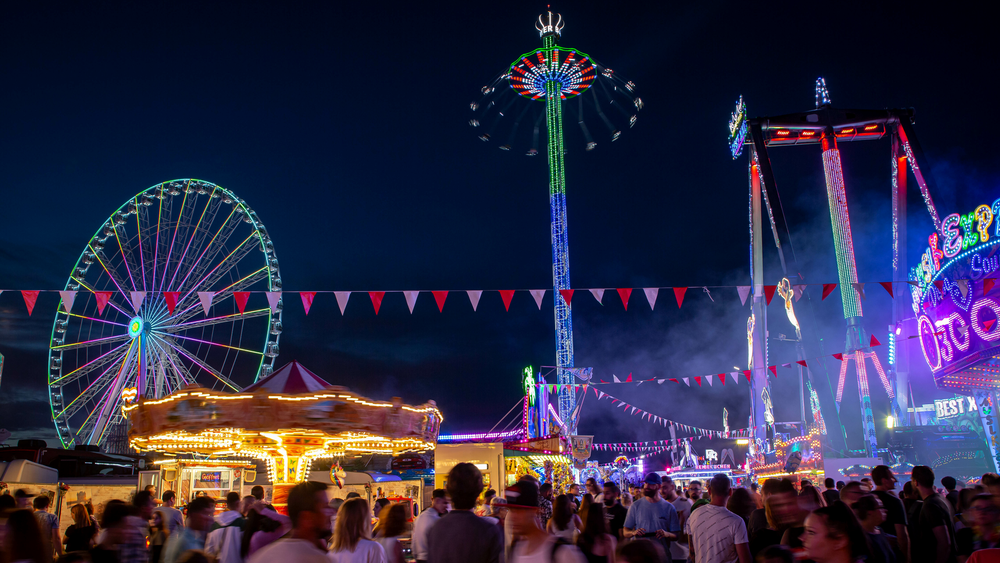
(656, 444)
(135, 298)
(665, 422)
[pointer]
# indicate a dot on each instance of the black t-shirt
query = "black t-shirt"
(831, 496)
(615, 517)
(758, 521)
(935, 512)
(881, 551)
(101, 555)
(895, 513)
(78, 539)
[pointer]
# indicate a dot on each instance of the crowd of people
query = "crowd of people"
(653, 522)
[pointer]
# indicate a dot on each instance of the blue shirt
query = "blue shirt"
(653, 515)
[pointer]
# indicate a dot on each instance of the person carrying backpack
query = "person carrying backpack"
(226, 537)
(532, 543)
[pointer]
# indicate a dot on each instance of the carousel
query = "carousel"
(286, 420)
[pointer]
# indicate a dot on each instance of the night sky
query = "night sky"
(344, 125)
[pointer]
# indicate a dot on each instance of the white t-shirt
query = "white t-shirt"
(367, 551)
(714, 532)
(683, 505)
(421, 527)
(287, 550)
(565, 553)
(172, 518)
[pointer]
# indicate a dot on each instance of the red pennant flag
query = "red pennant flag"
(801, 363)
(722, 378)
(746, 372)
(567, 295)
(103, 297)
(629, 378)
(888, 287)
(940, 285)
(698, 379)
(989, 324)
(838, 356)
(624, 293)
(241, 298)
(988, 285)
(674, 380)
(679, 294)
(774, 370)
(828, 289)
(440, 296)
(376, 297)
(769, 293)
(506, 295)
(307, 299)
(874, 342)
(29, 299)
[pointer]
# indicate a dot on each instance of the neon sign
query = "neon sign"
(950, 408)
(738, 129)
(529, 385)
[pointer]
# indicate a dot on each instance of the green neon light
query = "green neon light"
(529, 385)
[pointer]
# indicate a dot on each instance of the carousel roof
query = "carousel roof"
(293, 378)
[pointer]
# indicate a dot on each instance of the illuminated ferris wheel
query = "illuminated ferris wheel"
(156, 310)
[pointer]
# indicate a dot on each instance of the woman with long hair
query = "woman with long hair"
(872, 514)
(834, 535)
(564, 523)
(391, 525)
(742, 504)
(597, 545)
(810, 499)
(352, 541)
(23, 538)
(81, 533)
(264, 526)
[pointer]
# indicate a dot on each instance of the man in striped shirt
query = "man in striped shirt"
(716, 535)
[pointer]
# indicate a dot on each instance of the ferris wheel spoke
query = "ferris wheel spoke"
(190, 339)
(110, 397)
(213, 321)
(180, 369)
(91, 343)
(96, 320)
(224, 266)
(96, 363)
(197, 234)
(119, 283)
(170, 378)
(216, 249)
(209, 247)
(201, 365)
(165, 200)
(127, 259)
(182, 220)
(93, 389)
(222, 294)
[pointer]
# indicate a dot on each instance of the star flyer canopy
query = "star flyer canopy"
(287, 419)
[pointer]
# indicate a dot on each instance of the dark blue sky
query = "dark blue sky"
(345, 126)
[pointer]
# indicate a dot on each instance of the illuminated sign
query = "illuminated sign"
(949, 408)
(738, 129)
(529, 385)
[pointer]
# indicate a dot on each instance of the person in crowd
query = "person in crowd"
(992, 483)
(352, 540)
(500, 512)
(776, 554)
(257, 492)
(651, 516)
(872, 514)
(758, 519)
(172, 518)
(90, 510)
(545, 499)
(264, 527)
(964, 517)
(482, 542)
(115, 528)
(193, 534)
(24, 541)
(614, 512)
(804, 483)
(594, 489)
(391, 525)
(866, 485)
(23, 498)
(934, 541)
(133, 547)
(668, 491)
(913, 505)
(851, 492)
(781, 508)
(585, 503)
(7, 502)
(840, 485)
(532, 544)
(715, 534)
(596, 544)
(627, 500)
(951, 493)
(226, 538)
(694, 490)
(425, 520)
(755, 495)
(640, 551)
(247, 503)
(485, 507)
(564, 522)
(574, 492)
(741, 504)
(157, 537)
(810, 499)
(834, 535)
(895, 520)
(48, 525)
(830, 492)
(984, 532)
(309, 515)
(81, 534)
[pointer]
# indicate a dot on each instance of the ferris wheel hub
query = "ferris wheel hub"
(136, 327)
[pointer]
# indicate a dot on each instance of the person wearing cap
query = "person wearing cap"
(533, 544)
(651, 516)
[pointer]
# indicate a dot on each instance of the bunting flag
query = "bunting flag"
(774, 370)
(939, 284)
(342, 298)
(567, 295)
(838, 356)
(307, 300)
(411, 299)
(538, 294)
(137, 298)
(241, 298)
(988, 284)
(206, 300)
(744, 291)
(828, 289)
(30, 297)
(679, 295)
(632, 410)
(629, 378)
(376, 297)
(746, 373)
(506, 295)
(624, 293)
(439, 297)
(474, 295)
(651, 293)
(273, 298)
(963, 286)
(687, 381)
(799, 290)
(788, 365)
(888, 287)
(616, 378)
(598, 294)
(708, 379)
(860, 288)
(68, 297)
(988, 325)
(769, 293)
(801, 363)
(169, 296)
(874, 342)
(722, 378)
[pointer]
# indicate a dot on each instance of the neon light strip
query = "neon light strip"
(207, 342)
(94, 382)
(184, 353)
(489, 436)
(190, 240)
(112, 351)
(177, 326)
(113, 280)
(111, 387)
(96, 320)
(195, 286)
(138, 229)
(208, 246)
(159, 214)
(78, 344)
(114, 227)
(166, 264)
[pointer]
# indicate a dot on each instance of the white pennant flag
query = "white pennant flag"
(799, 290)
(273, 297)
(67, 298)
(651, 293)
(743, 290)
(860, 288)
(206, 300)
(538, 294)
(963, 286)
(687, 381)
(616, 378)
(660, 381)
(137, 297)
(342, 298)
(411, 299)
(598, 294)
(474, 295)
(736, 377)
(708, 379)
(633, 410)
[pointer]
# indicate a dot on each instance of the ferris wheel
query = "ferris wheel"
(155, 309)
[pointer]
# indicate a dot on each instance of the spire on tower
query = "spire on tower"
(822, 94)
(547, 26)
